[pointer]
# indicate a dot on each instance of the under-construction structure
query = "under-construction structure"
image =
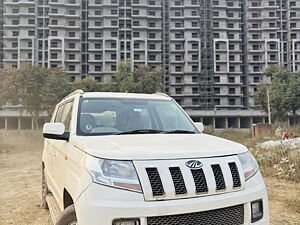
(213, 52)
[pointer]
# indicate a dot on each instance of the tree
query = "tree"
(37, 89)
(87, 85)
(283, 92)
(142, 79)
(292, 96)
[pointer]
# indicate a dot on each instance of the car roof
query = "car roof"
(158, 96)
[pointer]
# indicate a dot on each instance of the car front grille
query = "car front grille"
(233, 215)
(168, 179)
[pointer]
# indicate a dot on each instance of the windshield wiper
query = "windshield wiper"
(140, 131)
(178, 132)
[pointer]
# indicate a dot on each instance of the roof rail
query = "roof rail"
(161, 94)
(78, 91)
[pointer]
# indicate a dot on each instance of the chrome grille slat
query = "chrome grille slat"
(233, 215)
(178, 180)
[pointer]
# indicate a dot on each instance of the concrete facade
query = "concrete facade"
(213, 52)
(13, 118)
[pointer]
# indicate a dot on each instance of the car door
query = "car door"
(50, 152)
(60, 148)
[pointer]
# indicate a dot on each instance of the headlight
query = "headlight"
(249, 164)
(114, 173)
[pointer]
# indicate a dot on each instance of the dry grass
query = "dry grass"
(20, 170)
(282, 163)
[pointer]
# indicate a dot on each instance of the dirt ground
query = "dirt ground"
(20, 186)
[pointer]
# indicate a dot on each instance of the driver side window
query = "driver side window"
(59, 114)
(64, 115)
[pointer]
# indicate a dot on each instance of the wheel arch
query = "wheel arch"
(68, 200)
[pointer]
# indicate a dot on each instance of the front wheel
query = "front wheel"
(68, 216)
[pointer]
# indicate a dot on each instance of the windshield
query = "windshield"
(106, 116)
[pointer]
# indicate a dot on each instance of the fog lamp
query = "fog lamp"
(126, 222)
(256, 210)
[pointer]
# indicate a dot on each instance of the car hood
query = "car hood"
(156, 146)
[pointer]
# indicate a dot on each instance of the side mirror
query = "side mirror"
(200, 126)
(55, 131)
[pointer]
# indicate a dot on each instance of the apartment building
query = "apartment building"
(213, 52)
(273, 37)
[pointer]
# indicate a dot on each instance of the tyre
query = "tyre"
(45, 191)
(68, 216)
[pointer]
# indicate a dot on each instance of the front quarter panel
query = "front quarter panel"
(77, 178)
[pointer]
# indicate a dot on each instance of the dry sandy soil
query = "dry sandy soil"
(20, 185)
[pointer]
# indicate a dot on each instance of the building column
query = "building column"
(226, 122)
(19, 123)
(214, 123)
(32, 124)
(239, 122)
(251, 121)
(5, 123)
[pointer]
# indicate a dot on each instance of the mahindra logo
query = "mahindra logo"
(194, 164)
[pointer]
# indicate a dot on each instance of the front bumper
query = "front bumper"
(101, 205)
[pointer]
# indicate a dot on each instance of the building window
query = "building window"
(72, 45)
(256, 80)
(195, 101)
(231, 79)
(178, 79)
(136, 23)
(272, 14)
(215, 2)
(178, 90)
(98, 57)
(31, 33)
(98, 68)
(71, 56)
(71, 34)
(71, 67)
(14, 44)
(136, 45)
(195, 90)
(178, 68)
(231, 91)
(231, 101)
(217, 90)
(113, 68)
(98, 79)
(98, 24)
(114, 34)
(217, 101)
(215, 24)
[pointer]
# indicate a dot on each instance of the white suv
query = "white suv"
(137, 159)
